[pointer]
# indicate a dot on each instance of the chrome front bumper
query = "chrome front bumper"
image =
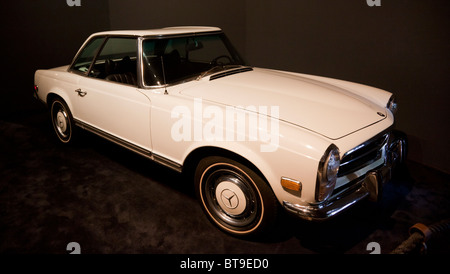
(368, 187)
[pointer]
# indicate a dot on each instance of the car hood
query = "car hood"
(309, 103)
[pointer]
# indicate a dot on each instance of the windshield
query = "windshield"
(171, 60)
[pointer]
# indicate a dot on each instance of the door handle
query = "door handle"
(80, 92)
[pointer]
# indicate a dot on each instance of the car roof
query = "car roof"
(161, 31)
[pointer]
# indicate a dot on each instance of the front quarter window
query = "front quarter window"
(85, 57)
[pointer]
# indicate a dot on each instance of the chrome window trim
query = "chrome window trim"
(141, 39)
(70, 68)
(99, 50)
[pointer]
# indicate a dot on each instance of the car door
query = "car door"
(109, 101)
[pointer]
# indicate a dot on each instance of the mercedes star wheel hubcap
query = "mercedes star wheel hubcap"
(230, 198)
(61, 123)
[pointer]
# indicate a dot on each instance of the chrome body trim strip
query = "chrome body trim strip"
(167, 162)
(130, 146)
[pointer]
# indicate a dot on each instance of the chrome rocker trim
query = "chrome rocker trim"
(139, 150)
(367, 187)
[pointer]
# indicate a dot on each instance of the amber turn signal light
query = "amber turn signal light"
(291, 184)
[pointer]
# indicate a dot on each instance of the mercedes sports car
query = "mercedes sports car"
(253, 141)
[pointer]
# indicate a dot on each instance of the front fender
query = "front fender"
(182, 125)
(296, 157)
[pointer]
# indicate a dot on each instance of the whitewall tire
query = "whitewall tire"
(235, 197)
(62, 120)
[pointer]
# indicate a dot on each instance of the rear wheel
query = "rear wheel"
(235, 198)
(62, 120)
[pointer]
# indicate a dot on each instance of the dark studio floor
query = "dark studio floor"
(110, 200)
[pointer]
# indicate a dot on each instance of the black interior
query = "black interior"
(123, 71)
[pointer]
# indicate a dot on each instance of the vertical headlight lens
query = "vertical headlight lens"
(327, 173)
(392, 104)
(332, 164)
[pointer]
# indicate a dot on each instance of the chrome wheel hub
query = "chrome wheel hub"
(61, 123)
(230, 198)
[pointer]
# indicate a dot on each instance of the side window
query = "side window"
(87, 54)
(117, 61)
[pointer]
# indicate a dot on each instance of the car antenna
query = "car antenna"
(164, 75)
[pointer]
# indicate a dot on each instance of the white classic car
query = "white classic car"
(253, 140)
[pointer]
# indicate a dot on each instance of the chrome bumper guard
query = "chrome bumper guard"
(368, 187)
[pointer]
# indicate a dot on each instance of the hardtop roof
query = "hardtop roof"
(161, 31)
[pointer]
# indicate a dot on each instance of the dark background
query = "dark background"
(402, 46)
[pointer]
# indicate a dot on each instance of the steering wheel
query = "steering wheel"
(215, 60)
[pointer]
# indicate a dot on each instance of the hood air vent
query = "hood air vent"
(229, 72)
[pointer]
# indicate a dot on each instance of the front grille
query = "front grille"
(362, 155)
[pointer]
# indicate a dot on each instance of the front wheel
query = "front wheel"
(235, 198)
(62, 120)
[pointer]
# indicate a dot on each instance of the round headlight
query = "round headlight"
(327, 173)
(392, 104)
